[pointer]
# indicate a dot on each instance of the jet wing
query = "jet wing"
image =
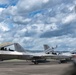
(58, 57)
(5, 44)
(51, 56)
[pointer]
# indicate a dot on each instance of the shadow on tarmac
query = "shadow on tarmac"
(71, 70)
(31, 63)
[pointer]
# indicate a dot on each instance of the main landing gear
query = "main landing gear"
(35, 62)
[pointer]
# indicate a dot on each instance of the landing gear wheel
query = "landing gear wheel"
(35, 62)
(62, 61)
(1, 60)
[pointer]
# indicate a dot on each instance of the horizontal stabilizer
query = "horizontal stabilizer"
(5, 44)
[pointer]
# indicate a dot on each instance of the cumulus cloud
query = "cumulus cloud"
(68, 29)
(21, 20)
(4, 27)
(34, 23)
(4, 1)
(34, 4)
(70, 18)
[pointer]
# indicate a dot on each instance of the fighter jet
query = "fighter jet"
(69, 54)
(21, 53)
(35, 57)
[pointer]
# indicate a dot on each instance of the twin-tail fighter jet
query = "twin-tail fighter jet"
(69, 55)
(21, 53)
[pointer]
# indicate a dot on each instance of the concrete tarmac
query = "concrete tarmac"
(23, 67)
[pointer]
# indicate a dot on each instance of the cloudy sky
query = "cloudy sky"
(33, 23)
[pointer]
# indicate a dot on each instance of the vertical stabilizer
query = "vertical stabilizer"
(18, 47)
(46, 47)
(48, 50)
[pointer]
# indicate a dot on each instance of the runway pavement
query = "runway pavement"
(27, 68)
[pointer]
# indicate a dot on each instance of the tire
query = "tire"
(62, 61)
(35, 62)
